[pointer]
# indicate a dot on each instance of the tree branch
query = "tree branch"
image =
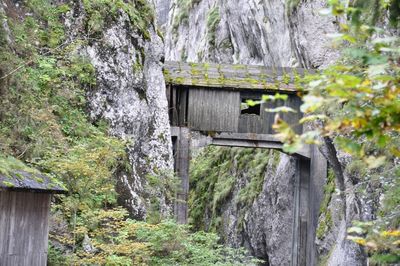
(330, 153)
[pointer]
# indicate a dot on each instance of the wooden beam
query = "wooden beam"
(251, 140)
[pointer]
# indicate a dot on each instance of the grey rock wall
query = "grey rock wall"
(268, 223)
(130, 96)
(162, 11)
(265, 32)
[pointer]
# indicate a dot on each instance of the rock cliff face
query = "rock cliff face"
(267, 222)
(264, 32)
(272, 33)
(162, 10)
(130, 96)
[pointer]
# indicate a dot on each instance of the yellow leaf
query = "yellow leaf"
(375, 162)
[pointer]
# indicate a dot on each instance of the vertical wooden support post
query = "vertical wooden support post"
(301, 212)
(182, 160)
(318, 177)
(304, 208)
(296, 216)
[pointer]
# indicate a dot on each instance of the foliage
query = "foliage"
(101, 12)
(325, 217)
(44, 122)
(213, 19)
(357, 101)
(168, 186)
(121, 241)
(9, 164)
(291, 5)
(382, 244)
(182, 17)
(214, 175)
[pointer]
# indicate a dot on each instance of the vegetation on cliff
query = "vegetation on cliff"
(44, 123)
(356, 102)
(216, 173)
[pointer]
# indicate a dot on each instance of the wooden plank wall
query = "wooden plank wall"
(23, 228)
(206, 109)
(262, 124)
(177, 105)
(213, 110)
(250, 123)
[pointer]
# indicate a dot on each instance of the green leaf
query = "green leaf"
(311, 103)
(310, 118)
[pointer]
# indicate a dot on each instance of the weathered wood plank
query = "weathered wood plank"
(213, 110)
(253, 140)
(174, 107)
(23, 228)
(249, 123)
(182, 160)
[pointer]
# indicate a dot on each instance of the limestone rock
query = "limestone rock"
(130, 96)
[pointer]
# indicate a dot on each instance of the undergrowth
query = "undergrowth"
(44, 123)
(214, 176)
(213, 19)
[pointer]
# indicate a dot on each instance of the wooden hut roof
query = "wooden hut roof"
(237, 77)
(15, 175)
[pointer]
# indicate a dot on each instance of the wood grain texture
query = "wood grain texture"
(213, 110)
(23, 228)
(207, 109)
(182, 160)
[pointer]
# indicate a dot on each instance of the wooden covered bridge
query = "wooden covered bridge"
(208, 98)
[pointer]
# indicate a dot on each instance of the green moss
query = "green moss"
(323, 260)
(160, 34)
(325, 216)
(9, 165)
(101, 12)
(8, 184)
(184, 55)
(226, 44)
(213, 19)
(286, 79)
(182, 16)
(179, 80)
(324, 225)
(239, 67)
(213, 181)
(137, 67)
(291, 5)
(357, 168)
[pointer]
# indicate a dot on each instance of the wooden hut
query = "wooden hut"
(25, 196)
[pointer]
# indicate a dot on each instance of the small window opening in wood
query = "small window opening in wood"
(250, 110)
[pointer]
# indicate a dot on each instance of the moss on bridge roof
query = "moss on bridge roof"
(233, 76)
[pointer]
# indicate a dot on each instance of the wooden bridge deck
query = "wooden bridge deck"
(233, 77)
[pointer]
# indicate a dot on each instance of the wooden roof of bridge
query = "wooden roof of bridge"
(237, 77)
